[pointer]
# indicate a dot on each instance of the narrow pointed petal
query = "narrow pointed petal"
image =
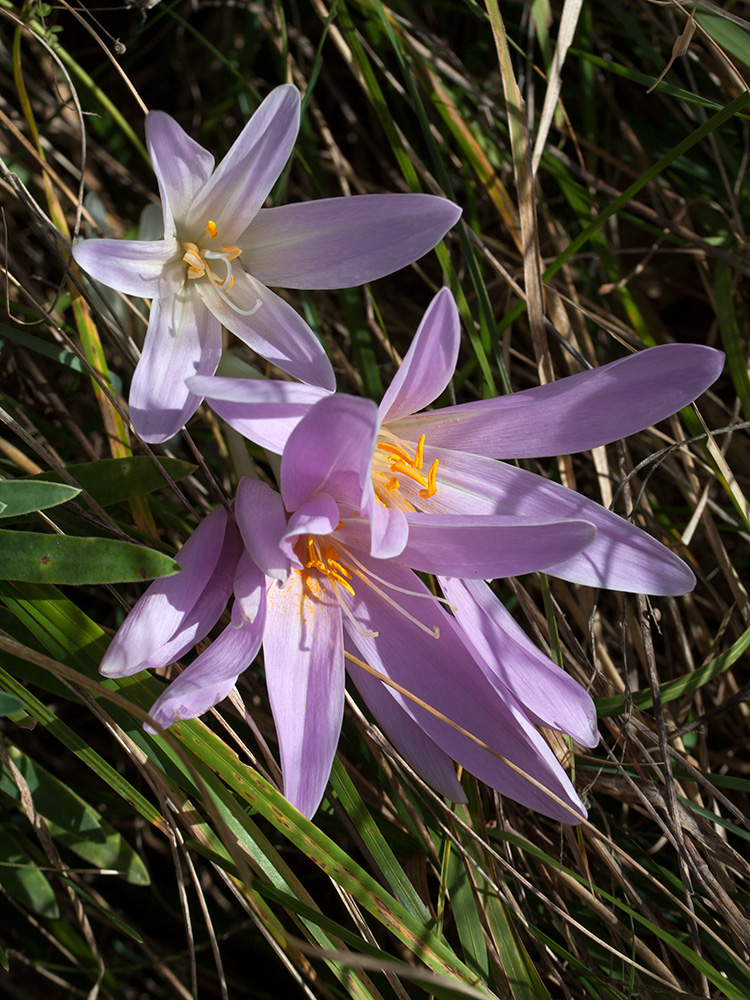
(183, 339)
(407, 736)
(150, 269)
(210, 677)
(181, 165)
(162, 610)
(330, 451)
(272, 329)
(262, 523)
(429, 363)
(488, 546)
(304, 659)
(578, 412)
(452, 691)
(621, 557)
(340, 242)
(243, 180)
(264, 411)
(511, 662)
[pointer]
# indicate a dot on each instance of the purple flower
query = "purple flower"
(305, 582)
(433, 468)
(221, 249)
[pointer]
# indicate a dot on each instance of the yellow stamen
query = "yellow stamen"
(406, 470)
(393, 484)
(418, 457)
(431, 489)
(229, 251)
(394, 449)
(211, 229)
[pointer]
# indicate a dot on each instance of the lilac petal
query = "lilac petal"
(271, 328)
(163, 609)
(182, 339)
(390, 530)
(249, 589)
(209, 678)
(330, 451)
(621, 557)
(429, 363)
(407, 736)
(340, 242)
(181, 165)
(511, 662)
(262, 410)
(262, 523)
(243, 180)
(318, 516)
(488, 546)
(304, 659)
(576, 413)
(442, 672)
(150, 269)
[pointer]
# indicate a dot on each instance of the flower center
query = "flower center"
(394, 466)
(324, 560)
(201, 262)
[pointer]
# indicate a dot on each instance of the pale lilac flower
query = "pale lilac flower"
(177, 612)
(221, 250)
(430, 467)
(319, 591)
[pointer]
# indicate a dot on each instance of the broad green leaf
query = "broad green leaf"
(729, 35)
(35, 558)
(73, 822)
(9, 704)
(21, 496)
(112, 480)
(466, 915)
(20, 876)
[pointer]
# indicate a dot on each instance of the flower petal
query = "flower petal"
(265, 411)
(271, 328)
(487, 546)
(304, 659)
(249, 588)
(181, 165)
(340, 242)
(183, 339)
(137, 267)
(210, 677)
(429, 363)
(442, 673)
(407, 736)
(162, 611)
(578, 412)
(511, 662)
(318, 516)
(330, 451)
(262, 523)
(621, 557)
(389, 530)
(243, 180)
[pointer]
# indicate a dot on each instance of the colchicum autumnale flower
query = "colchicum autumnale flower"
(322, 593)
(430, 469)
(221, 250)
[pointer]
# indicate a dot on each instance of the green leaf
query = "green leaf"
(21, 878)
(9, 704)
(73, 822)
(112, 480)
(680, 686)
(20, 496)
(36, 558)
